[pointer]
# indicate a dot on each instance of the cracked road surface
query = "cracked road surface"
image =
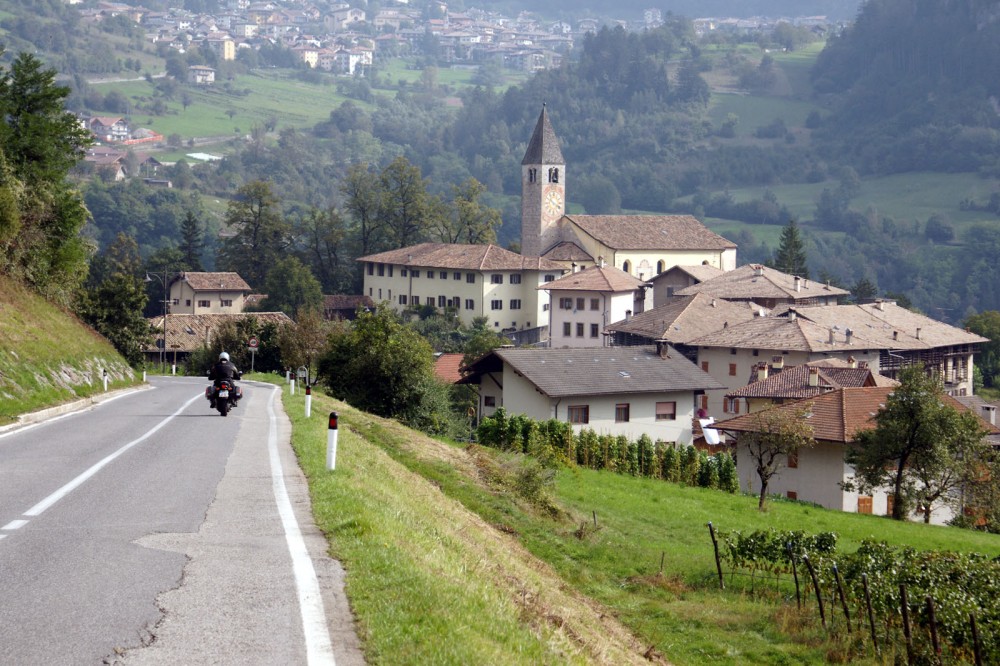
(150, 530)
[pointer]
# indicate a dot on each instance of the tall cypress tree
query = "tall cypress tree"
(191, 242)
(791, 254)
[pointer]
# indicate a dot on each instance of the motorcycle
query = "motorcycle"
(224, 396)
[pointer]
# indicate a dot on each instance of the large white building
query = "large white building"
(472, 280)
(501, 285)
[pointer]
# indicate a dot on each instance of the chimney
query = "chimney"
(777, 363)
(628, 315)
(880, 305)
(792, 314)
(573, 265)
(863, 365)
(832, 340)
(813, 377)
(662, 348)
(990, 414)
(849, 334)
(603, 264)
(761, 371)
(798, 283)
(895, 335)
(918, 332)
(758, 270)
(713, 302)
(853, 362)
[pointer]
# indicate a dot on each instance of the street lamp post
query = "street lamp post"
(163, 345)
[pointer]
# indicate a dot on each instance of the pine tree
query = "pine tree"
(791, 254)
(191, 242)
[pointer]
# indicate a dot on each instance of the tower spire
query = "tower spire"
(543, 148)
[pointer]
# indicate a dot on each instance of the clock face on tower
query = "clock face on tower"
(552, 203)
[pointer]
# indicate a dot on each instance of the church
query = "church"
(509, 288)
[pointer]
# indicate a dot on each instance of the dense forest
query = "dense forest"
(632, 110)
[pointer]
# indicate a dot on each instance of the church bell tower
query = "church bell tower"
(543, 188)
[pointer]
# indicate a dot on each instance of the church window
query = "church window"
(532, 175)
(553, 175)
(660, 265)
(627, 267)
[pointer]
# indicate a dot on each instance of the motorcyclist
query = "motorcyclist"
(223, 369)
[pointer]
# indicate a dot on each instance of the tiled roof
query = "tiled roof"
(892, 327)
(811, 328)
(699, 272)
(567, 251)
(215, 281)
(543, 147)
(192, 331)
(793, 382)
(606, 371)
(467, 257)
(756, 281)
(835, 416)
(446, 367)
(684, 318)
(651, 232)
(838, 415)
(596, 278)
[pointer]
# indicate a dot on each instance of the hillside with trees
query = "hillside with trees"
(913, 86)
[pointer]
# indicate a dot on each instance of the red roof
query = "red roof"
(446, 367)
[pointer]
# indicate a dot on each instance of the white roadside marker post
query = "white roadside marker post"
(309, 400)
(105, 377)
(331, 443)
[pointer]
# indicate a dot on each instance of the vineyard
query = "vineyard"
(932, 607)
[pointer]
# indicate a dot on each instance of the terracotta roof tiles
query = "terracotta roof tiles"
(651, 232)
(465, 257)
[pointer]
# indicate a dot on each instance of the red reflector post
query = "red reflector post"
(333, 420)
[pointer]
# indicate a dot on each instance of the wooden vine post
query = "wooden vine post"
(871, 614)
(819, 593)
(977, 650)
(906, 623)
(843, 597)
(934, 634)
(795, 573)
(718, 562)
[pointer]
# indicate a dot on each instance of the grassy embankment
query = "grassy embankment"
(47, 356)
(435, 543)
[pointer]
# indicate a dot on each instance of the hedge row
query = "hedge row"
(553, 443)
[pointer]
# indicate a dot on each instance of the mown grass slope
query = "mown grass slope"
(48, 356)
(458, 554)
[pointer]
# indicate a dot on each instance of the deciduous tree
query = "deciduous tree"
(778, 433)
(260, 234)
(920, 447)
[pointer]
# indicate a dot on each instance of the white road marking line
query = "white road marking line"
(14, 524)
(17, 429)
(94, 469)
(319, 649)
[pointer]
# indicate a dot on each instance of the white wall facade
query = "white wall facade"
(185, 300)
(820, 471)
(521, 397)
(573, 326)
(472, 293)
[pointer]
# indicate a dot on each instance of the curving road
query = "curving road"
(150, 530)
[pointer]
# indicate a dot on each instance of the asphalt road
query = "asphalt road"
(151, 530)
